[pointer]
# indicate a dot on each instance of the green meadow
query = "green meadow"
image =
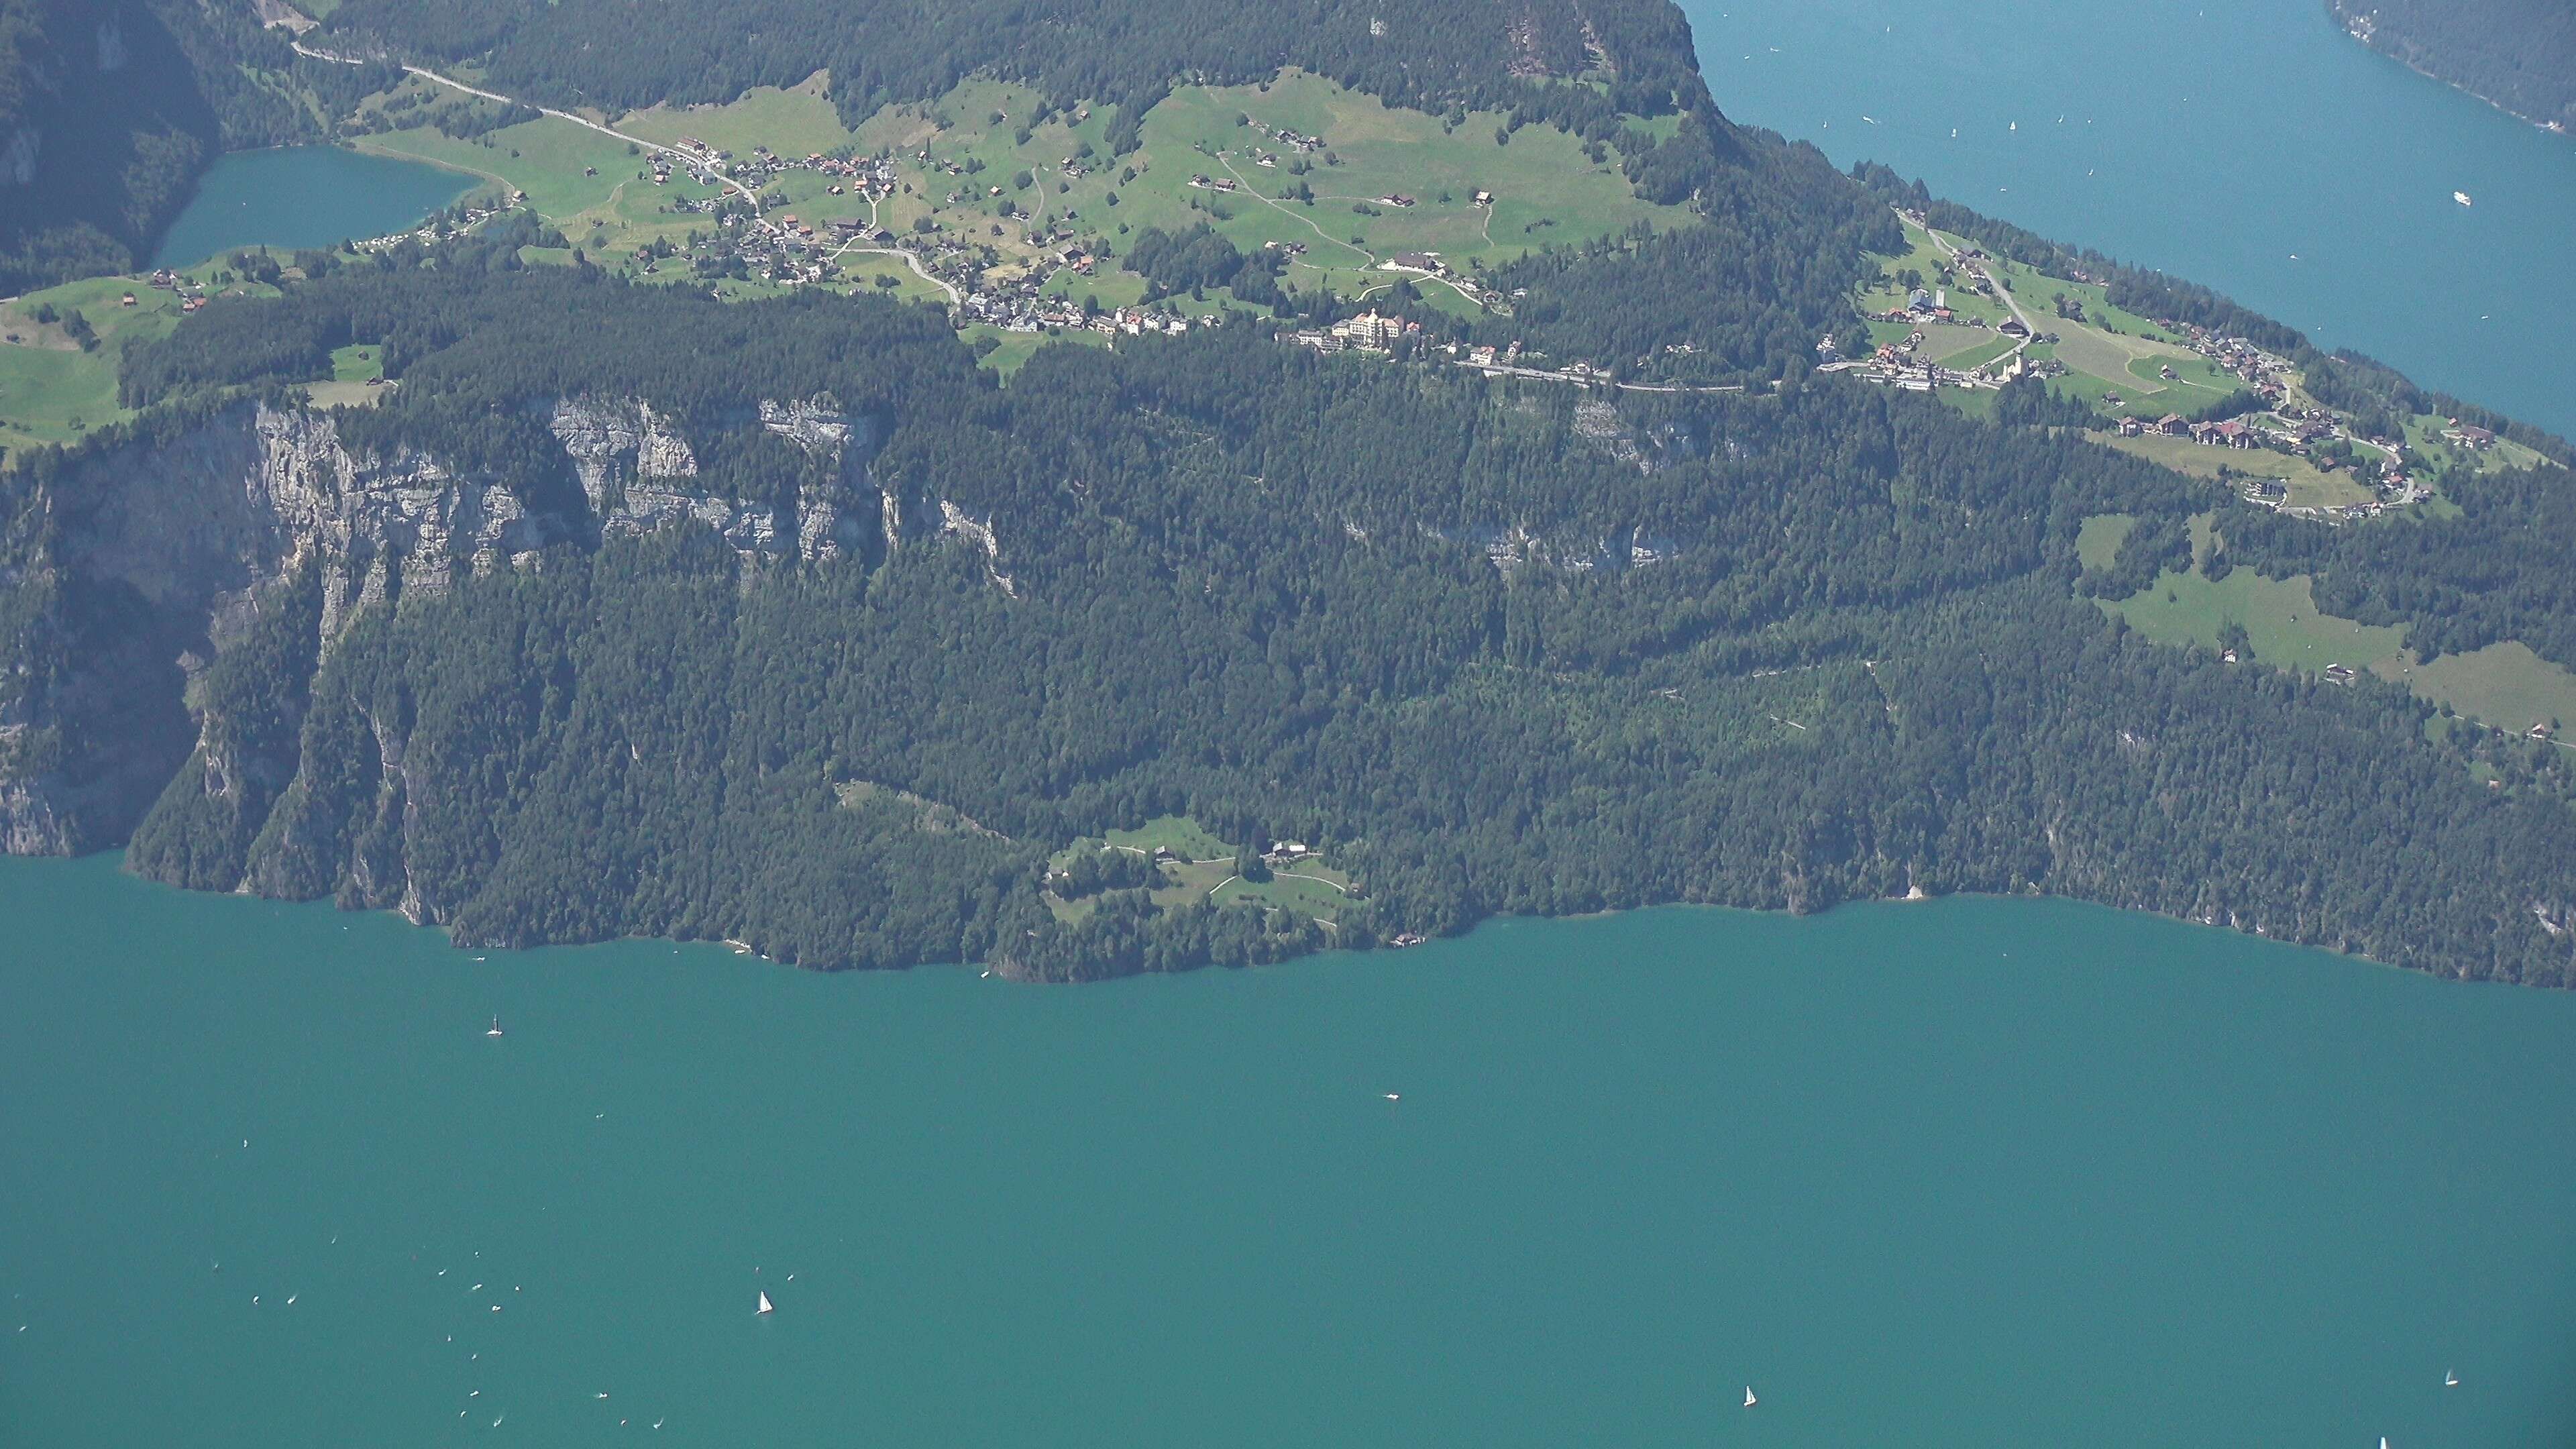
(51, 390)
(2280, 618)
(2308, 487)
(2505, 685)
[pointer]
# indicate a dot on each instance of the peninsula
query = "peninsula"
(1214, 489)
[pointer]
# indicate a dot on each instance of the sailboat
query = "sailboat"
(764, 1302)
(2450, 1380)
(1749, 1401)
(2462, 198)
(496, 1027)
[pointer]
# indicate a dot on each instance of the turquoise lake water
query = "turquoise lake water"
(304, 196)
(1977, 1172)
(2213, 138)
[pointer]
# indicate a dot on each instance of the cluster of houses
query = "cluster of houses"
(2233, 433)
(1288, 138)
(2264, 372)
(190, 295)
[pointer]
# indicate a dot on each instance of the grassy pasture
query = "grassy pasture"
(53, 392)
(1180, 835)
(796, 122)
(2279, 616)
(2308, 487)
(552, 155)
(2505, 685)
(2097, 543)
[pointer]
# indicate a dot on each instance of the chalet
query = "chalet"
(128, 300)
(2474, 439)
(2013, 327)
(2131, 427)
(1395, 198)
(2340, 674)
(1411, 262)
(1484, 198)
(2172, 426)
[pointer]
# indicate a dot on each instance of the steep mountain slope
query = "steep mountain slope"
(109, 110)
(557, 644)
(625, 610)
(2518, 54)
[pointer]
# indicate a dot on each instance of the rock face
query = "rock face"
(639, 473)
(168, 549)
(18, 156)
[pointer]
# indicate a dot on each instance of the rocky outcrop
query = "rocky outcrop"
(167, 552)
(978, 532)
(639, 473)
(18, 156)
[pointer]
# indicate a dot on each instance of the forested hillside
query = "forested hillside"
(2518, 54)
(109, 109)
(612, 608)
(1495, 649)
(1122, 52)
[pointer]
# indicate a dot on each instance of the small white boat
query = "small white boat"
(2450, 1380)
(496, 1027)
(764, 1303)
(1392, 1096)
(1749, 1402)
(2462, 198)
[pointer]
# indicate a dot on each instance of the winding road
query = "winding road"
(693, 160)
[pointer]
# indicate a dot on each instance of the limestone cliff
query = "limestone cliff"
(135, 568)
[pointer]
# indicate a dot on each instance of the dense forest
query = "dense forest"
(2518, 54)
(1498, 647)
(1120, 52)
(899, 634)
(109, 110)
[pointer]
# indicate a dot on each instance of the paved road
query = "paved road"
(692, 159)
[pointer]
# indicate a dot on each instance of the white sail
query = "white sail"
(1749, 1402)
(764, 1301)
